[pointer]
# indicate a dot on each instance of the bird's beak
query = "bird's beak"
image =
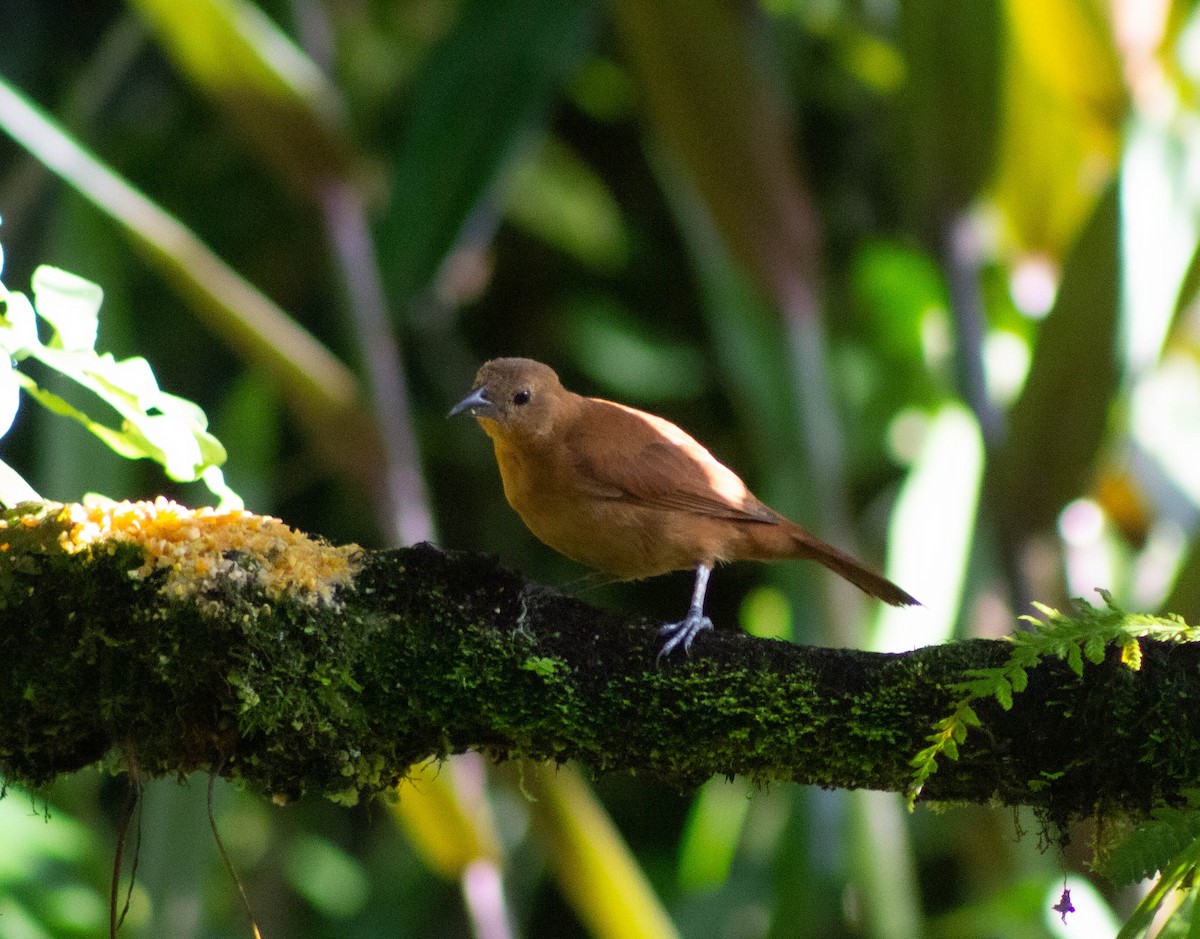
(477, 400)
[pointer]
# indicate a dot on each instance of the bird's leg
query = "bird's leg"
(683, 632)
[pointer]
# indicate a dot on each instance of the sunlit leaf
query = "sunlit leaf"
(166, 428)
(1069, 43)
(322, 392)
(595, 869)
(10, 396)
(18, 325)
(447, 830)
(1060, 142)
(70, 304)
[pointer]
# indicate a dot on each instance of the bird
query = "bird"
(632, 495)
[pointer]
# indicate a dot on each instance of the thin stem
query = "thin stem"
(404, 500)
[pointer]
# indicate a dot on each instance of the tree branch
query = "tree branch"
(197, 639)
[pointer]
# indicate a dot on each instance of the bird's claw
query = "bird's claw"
(682, 633)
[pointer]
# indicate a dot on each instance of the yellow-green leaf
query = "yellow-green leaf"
(253, 71)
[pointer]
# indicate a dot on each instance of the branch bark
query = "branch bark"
(236, 656)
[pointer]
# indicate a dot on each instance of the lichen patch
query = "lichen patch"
(201, 549)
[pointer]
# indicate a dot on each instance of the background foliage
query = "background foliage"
(924, 272)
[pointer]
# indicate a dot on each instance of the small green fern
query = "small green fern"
(1084, 635)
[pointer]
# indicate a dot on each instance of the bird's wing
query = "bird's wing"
(649, 460)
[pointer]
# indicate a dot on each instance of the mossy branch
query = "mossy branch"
(195, 641)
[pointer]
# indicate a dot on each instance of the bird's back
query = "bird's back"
(629, 493)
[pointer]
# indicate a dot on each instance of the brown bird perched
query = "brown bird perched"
(631, 494)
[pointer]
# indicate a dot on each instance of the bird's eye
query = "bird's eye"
(522, 397)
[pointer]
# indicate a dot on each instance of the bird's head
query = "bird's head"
(517, 397)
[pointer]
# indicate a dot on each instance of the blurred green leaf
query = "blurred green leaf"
(897, 287)
(711, 834)
(1189, 287)
(325, 875)
(278, 98)
(621, 353)
(603, 89)
(31, 841)
(559, 198)
(1058, 423)
(884, 865)
(952, 52)
(706, 73)
(485, 88)
(49, 857)
(1184, 598)
(765, 613)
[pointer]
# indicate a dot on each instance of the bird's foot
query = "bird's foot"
(682, 633)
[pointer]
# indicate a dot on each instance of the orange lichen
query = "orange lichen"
(202, 549)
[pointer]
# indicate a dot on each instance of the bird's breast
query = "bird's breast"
(608, 531)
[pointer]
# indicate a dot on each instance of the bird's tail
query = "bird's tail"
(865, 579)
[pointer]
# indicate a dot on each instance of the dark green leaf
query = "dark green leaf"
(1058, 423)
(486, 87)
(952, 50)
(704, 71)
